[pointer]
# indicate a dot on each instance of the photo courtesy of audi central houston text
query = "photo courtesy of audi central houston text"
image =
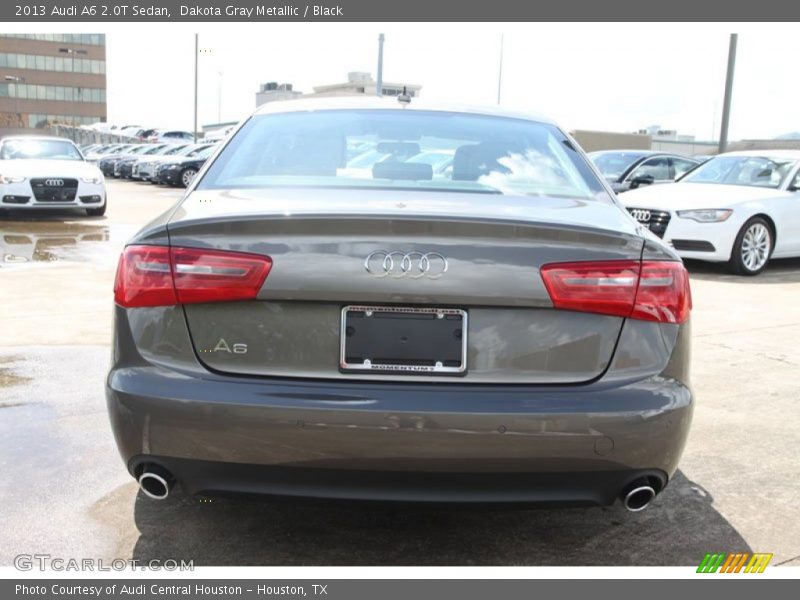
(297, 326)
(423, 293)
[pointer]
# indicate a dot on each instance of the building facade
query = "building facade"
(362, 83)
(49, 79)
(357, 84)
(274, 92)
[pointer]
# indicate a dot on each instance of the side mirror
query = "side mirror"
(795, 185)
(642, 180)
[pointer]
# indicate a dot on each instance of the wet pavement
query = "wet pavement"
(57, 267)
(737, 489)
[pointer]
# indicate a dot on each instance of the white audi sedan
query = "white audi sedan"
(48, 172)
(742, 208)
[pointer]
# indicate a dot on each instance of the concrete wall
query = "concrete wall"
(591, 141)
(685, 148)
(764, 145)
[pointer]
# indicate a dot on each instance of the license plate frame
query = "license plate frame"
(443, 319)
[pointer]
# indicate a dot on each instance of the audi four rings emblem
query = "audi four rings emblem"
(383, 263)
(54, 182)
(641, 215)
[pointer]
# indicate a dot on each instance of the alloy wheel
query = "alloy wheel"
(187, 176)
(755, 246)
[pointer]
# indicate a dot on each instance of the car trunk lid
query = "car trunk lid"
(475, 252)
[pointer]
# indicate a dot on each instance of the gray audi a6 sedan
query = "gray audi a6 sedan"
(500, 330)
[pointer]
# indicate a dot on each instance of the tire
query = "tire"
(97, 212)
(752, 248)
(186, 176)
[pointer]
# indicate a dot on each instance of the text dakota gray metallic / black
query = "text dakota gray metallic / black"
(261, 10)
(387, 299)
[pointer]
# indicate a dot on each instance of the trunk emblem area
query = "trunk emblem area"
(397, 264)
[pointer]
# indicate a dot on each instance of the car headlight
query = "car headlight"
(11, 179)
(92, 180)
(706, 215)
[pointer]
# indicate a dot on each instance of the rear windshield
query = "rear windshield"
(754, 171)
(396, 149)
(613, 164)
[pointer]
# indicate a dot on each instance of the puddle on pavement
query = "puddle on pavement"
(114, 512)
(50, 240)
(8, 377)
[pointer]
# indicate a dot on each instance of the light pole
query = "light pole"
(16, 79)
(219, 97)
(196, 57)
(379, 83)
(726, 104)
(500, 68)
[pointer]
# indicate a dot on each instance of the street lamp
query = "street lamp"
(196, 61)
(379, 82)
(219, 96)
(500, 68)
(16, 79)
(726, 102)
(197, 52)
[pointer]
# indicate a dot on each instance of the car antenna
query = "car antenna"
(404, 97)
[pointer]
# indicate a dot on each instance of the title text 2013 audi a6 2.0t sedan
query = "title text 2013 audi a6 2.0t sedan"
(502, 331)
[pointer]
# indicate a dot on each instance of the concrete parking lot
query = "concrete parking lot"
(66, 492)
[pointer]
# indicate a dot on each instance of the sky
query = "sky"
(585, 76)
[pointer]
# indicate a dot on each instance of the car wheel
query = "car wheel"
(97, 212)
(186, 176)
(752, 248)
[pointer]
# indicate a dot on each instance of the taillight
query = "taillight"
(664, 294)
(144, 277)
(650, 290)
(161, 276)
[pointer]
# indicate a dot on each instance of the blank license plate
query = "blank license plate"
(389, 339)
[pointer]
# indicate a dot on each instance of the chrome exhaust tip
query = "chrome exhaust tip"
(638, 497)
(156, 482)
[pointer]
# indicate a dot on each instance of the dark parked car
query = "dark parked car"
(181, 172)
(108, 162)
(124, 166)
(143, 168)
(629, 169)
(501, 333)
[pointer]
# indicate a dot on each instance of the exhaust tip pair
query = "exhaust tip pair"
(156, 482)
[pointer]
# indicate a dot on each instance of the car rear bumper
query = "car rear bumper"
(424, 442)
(584, 488)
